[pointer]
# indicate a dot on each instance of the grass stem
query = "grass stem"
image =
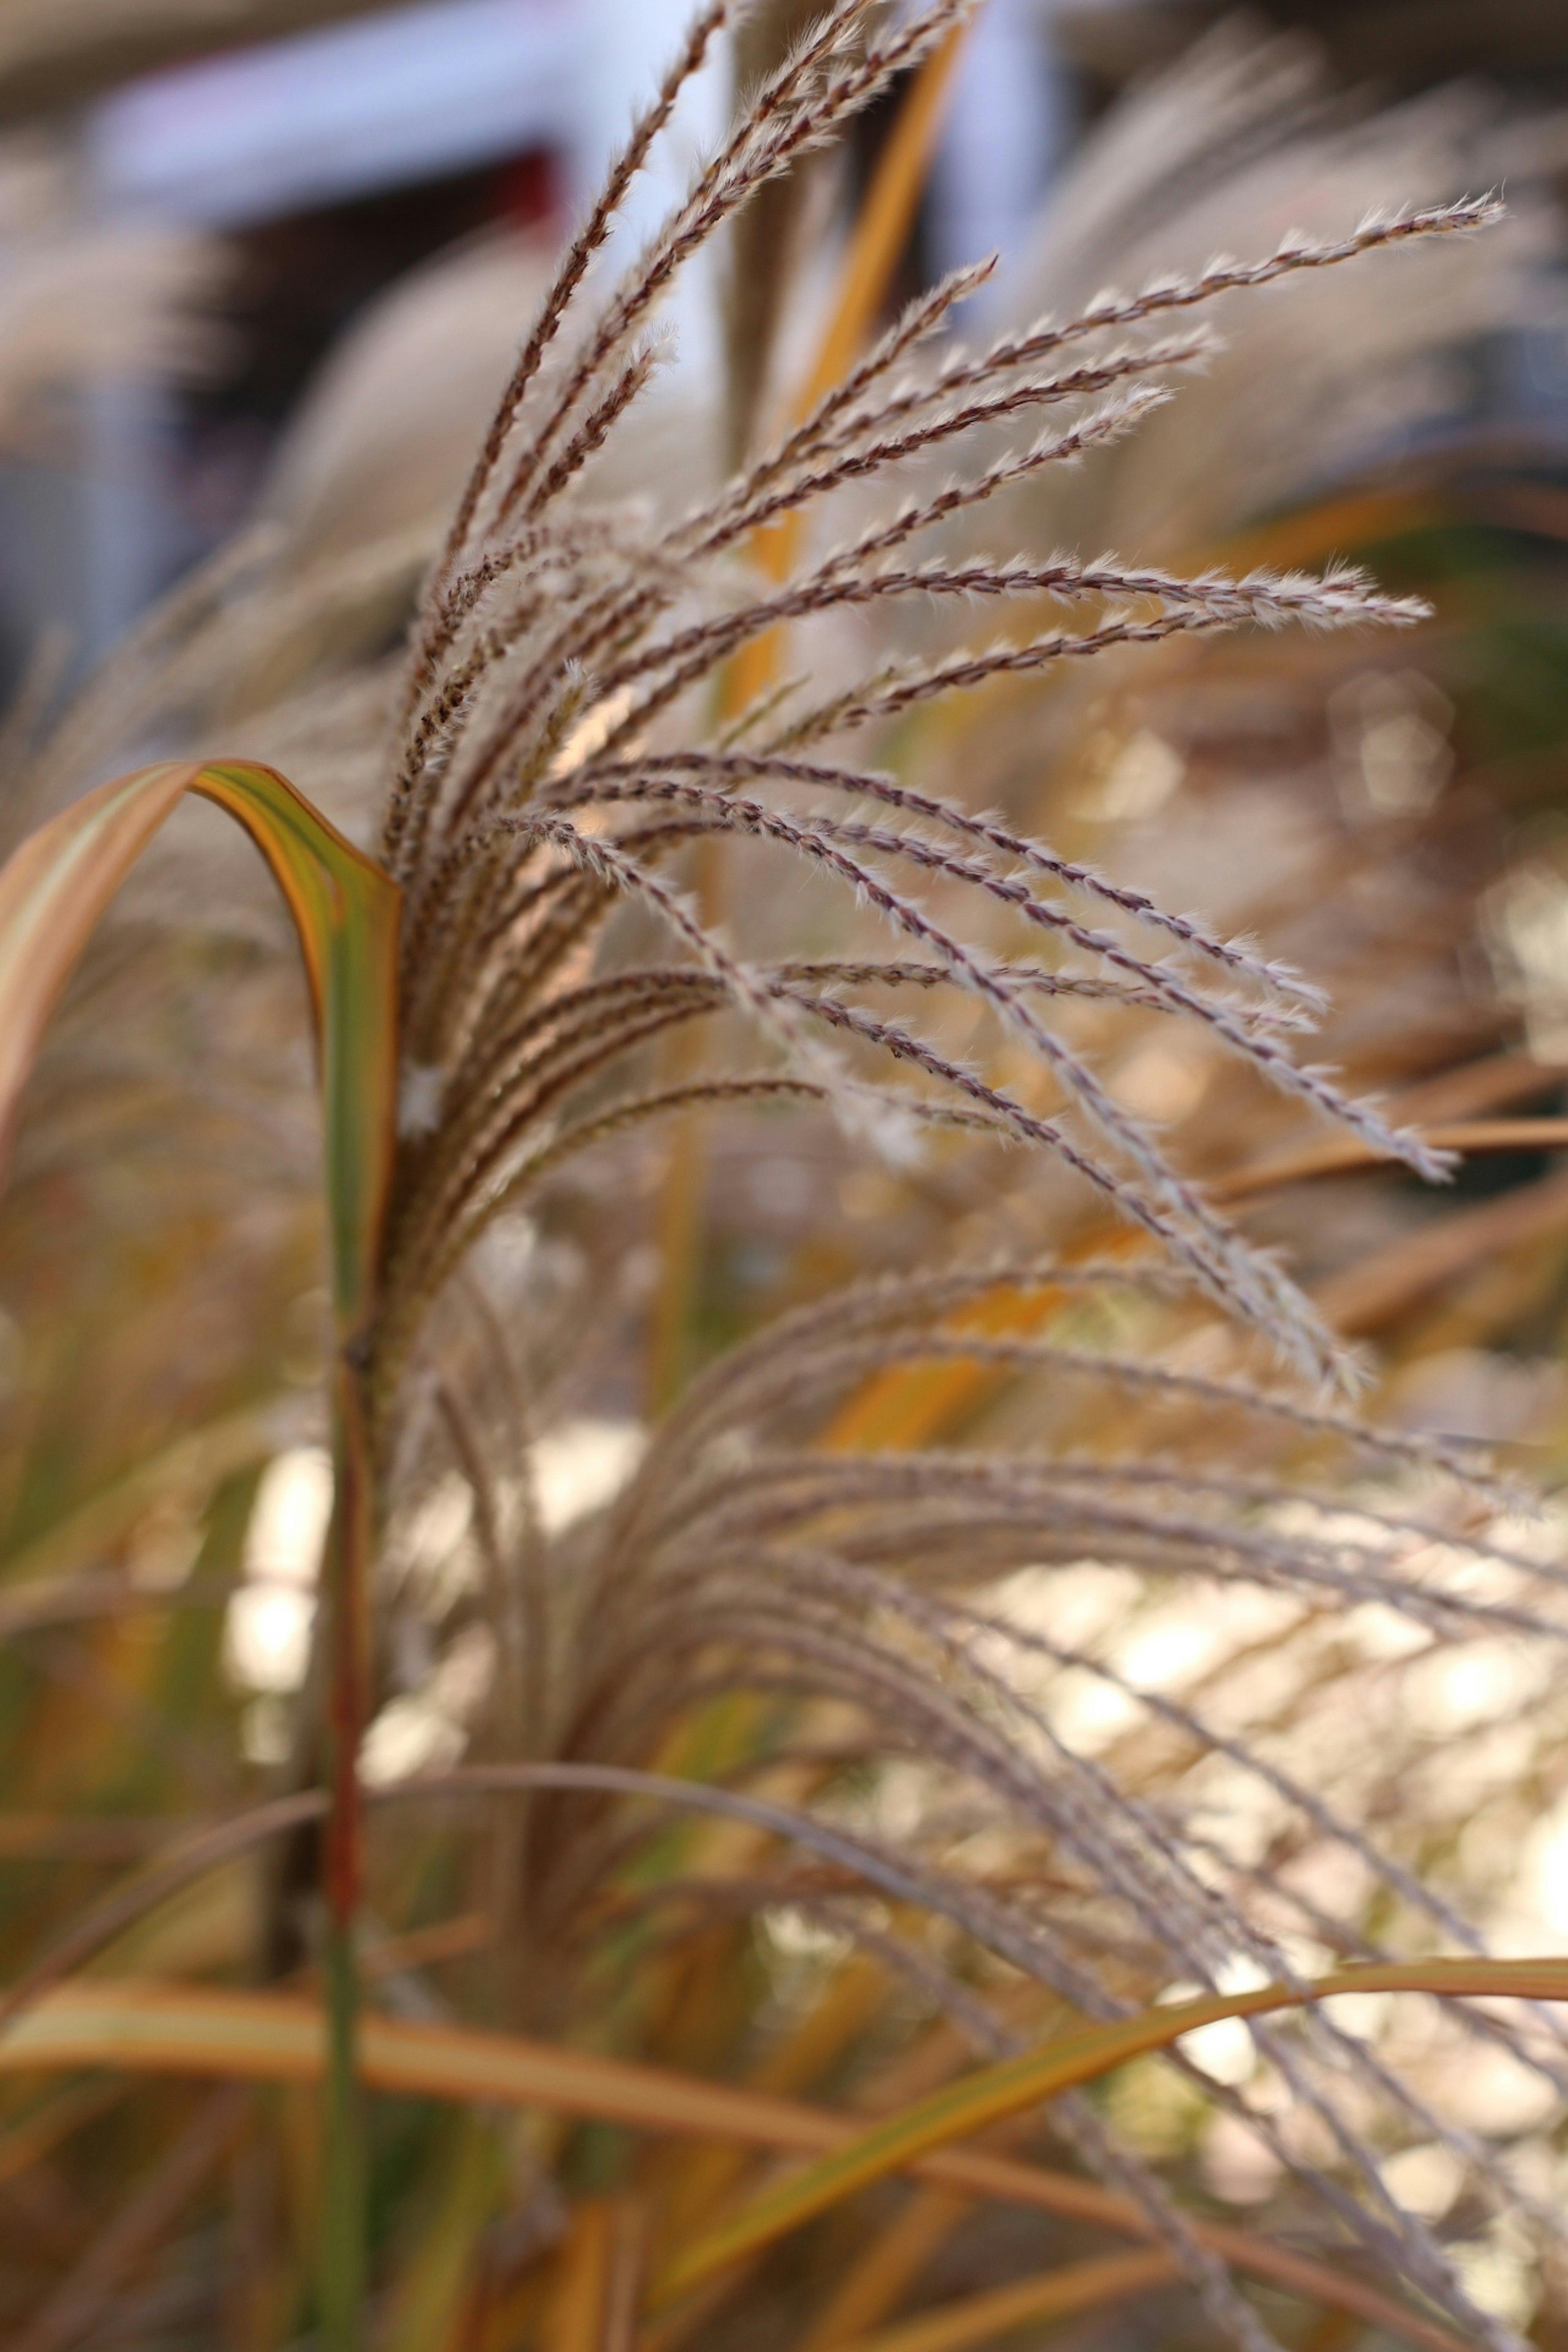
(344, 2171)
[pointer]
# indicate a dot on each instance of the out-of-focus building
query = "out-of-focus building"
(331, 145)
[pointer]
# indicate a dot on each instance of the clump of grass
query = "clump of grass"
(847, 1652)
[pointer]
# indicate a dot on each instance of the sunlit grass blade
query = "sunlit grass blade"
(1065, 2064)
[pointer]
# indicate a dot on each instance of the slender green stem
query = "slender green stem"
(343, 2202)
(344, 2182)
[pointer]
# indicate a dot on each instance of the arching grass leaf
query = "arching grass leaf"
(56, 886)
(979, 2100)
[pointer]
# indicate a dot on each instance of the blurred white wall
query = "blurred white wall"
(1007, 126)
(626, 45)
(343, 111)
(409, 94)
(413, 94)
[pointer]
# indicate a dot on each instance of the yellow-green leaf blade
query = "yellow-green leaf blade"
(979, 2100)
(57, 885)
(345, 909)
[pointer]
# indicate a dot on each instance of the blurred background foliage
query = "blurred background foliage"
(238, 388)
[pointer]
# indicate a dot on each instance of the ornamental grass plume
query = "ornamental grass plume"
(815, 1760)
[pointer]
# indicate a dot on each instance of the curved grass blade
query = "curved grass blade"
(56, 886)
(52, 892)
(979, 2100)
(345, 910)
(194, 2029)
